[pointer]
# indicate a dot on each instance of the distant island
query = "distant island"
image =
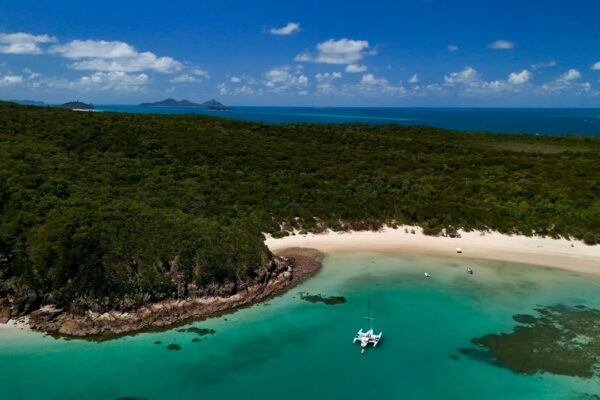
(210, 105)
(77, 105)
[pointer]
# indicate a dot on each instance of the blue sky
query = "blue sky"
(321, 53)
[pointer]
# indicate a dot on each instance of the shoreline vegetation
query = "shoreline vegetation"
(108, 212)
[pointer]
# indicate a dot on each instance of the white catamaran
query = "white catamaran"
(368, 337)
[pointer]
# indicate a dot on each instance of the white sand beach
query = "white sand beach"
(557, 253)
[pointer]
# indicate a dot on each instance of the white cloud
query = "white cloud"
(596, 66)
(321, 77)
(356, 68)
(10, 80)
(291, 27)
(467, 76)
(200, 72)
(414, 79)
(519, 78)
(113, 81)
(452, 48)
(115, 56)
(470, 81)
(501, 45)
(544, 64)
(224, 90)
(372, 85)
(23, 43)
(325, 83)
(570, 75)
(567, 82)
(370, 79)
(342, 51)
(196, 75)
(282, 78)
(95, 49)
(235, 79)
(185, 78)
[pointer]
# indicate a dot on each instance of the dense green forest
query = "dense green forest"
(107, 206)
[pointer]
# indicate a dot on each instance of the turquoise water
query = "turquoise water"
(293, 349)
(503, 120)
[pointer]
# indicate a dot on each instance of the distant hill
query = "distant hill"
(29, 102)
(77, 105)
(211, 104)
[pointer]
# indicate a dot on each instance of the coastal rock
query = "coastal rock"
(5, 311)
(272, 279)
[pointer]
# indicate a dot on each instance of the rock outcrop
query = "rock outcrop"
(273, 279)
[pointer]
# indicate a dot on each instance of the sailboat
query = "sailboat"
(368, 337)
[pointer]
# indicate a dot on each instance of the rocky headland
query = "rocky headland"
(289, 268)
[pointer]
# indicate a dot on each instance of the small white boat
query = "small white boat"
(368, 337)
(458, 250)
(470, 271)
(427, 275)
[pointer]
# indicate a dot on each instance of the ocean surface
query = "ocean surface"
(289, 348)
(502, 120)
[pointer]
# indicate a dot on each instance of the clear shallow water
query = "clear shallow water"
(503, 120)
(297, 350)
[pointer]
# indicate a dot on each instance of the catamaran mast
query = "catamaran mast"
(369, 312)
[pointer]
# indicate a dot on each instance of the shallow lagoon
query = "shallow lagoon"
(298, 349)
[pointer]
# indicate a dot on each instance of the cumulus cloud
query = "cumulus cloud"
(288, 29)
(519, 78)
(452, 48)
(283, 78)
(501, 45)
(224, 90)
(327, 76)
(568, 82)
(414, 79)
(370, 79)
(372, 85)
(470, 81)
(185, 78)
(342, 51)
(23, 43)
(325, 81)
(468, 76)
(355, 68)
(113, 56)
(200, 72)
(235, 79)
(196, 75)
(596, 66)
(570, 75)
(113, 81)
(10, 80)
(543, 64)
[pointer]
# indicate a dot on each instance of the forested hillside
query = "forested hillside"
(108, 206)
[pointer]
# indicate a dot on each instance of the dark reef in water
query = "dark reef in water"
(132, 398)
(560, 339)
(198, 331)
(173, 347)
(317, 298)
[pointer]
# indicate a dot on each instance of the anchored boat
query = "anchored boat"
(368, 337)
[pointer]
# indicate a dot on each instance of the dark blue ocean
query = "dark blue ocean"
(546, 121)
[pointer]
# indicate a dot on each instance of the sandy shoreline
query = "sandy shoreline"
(557, 253)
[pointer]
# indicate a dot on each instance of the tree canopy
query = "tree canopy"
(107, 205)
